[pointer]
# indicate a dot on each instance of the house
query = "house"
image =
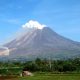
(26, 73)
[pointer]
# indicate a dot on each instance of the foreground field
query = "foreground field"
(54, 77)
(48, 76)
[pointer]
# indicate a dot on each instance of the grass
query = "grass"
(54, 77)
(47, 76)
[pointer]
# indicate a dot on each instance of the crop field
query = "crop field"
(45, 76)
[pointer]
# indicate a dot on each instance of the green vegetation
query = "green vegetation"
(46, 76)
(49, 76)
(42, 69)
(38, 65)
(53, 65)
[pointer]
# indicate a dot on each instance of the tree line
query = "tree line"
(53, 65)
(40, 65)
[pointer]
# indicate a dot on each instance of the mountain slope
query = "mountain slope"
(43, 43)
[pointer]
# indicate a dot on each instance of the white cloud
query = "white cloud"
(33, 24)
(11, 21)
(14, 21)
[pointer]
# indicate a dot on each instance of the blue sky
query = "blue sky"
(63, 16)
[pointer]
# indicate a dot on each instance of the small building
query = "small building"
(26, 73)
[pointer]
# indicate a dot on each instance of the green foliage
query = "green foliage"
(15, 68)
(54, 65)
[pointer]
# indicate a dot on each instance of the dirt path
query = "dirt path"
(8, 78)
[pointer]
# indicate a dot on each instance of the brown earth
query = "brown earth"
(8, 77)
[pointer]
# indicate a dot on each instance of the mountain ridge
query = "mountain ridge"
(43, 43)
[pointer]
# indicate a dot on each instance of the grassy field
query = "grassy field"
(47, 76)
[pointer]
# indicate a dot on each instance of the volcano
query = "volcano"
(42, 42)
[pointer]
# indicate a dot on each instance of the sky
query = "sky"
(63, 16)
